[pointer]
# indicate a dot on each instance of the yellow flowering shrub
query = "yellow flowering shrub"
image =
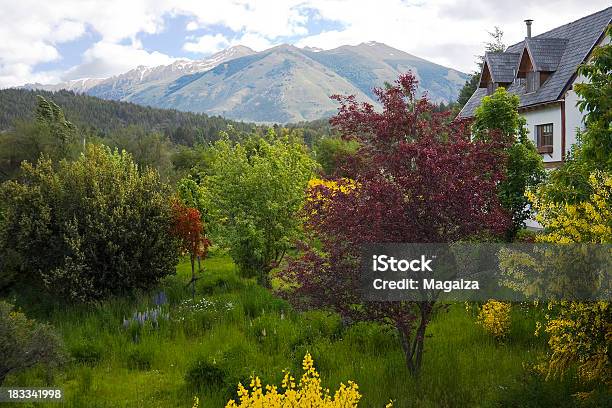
(345, 187)
(307, 393)
(588, 221)
(494, 316)
(580, 333)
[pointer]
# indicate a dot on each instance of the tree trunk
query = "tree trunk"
(193, 280)
(405, 340)
(419, 339)
(413, 347)
(264, 279)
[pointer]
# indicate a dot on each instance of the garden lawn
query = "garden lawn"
(235, 328)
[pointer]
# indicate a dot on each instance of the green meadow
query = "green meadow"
(235, 328)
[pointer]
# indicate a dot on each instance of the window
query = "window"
(491, 87)
(544, 138)
(533, 81)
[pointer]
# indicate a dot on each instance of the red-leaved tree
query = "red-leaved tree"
(417, 178)
(189, 229)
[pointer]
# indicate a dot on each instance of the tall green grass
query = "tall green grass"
(250, 331)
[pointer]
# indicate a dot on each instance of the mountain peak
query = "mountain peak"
(239, 48)
(312, 49)
(284, 47)
(281, 84)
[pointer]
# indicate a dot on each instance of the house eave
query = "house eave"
(538, 105)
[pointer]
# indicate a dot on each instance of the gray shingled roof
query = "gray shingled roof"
(579, 36)
(546, 52)
(502, 65)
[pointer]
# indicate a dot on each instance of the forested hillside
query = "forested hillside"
(102, 117)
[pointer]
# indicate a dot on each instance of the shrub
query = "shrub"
(307, 393)
(220, 284)
(579, 332)
(25, 343)
(89, 228)
(533, 391)
(202, 373)
(494, 316)
(86, 352)
(140, 358)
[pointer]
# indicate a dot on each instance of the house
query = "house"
(541, 70)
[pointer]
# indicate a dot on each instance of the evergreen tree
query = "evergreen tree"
(495, 44)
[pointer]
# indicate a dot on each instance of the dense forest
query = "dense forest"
(102, 117)
(59, 125)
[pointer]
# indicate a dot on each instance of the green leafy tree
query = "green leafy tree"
(255, 191)
(50, 134)
(148, 149)
(596, 102)
(498, 117)
(332, 152)
(89, 228)
(49, 113)
(25, 343)
(192, 161)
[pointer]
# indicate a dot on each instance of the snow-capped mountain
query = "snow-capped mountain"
(118, 86)
(80, 85)
(282, 84)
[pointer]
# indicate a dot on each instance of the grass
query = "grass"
(244, 329)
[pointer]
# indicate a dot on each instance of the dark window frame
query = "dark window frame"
(545, 137)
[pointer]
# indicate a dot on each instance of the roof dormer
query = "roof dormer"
(497, 70)
(539, 59)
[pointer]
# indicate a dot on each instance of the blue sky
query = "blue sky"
(49, 42)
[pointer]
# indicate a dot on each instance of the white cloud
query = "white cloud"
(255, 41)
(207, 44)
(268, 18)
(106, 59)
(449, 32)
(15, 73)
(191, 26)
(67, 31)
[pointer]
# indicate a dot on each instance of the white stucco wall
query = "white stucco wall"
(542, 116)
(573, 118)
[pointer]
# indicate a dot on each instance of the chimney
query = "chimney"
(528, 24)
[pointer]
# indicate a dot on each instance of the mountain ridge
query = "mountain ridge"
(282, 84)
